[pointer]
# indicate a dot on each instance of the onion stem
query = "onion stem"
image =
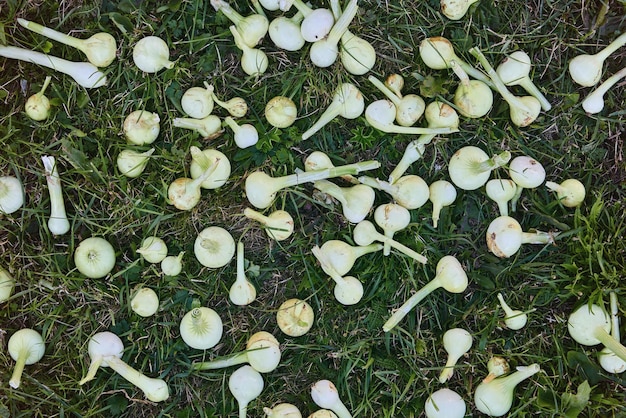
(84, 73)
(16, 377)
(52, 34)
(410, 303)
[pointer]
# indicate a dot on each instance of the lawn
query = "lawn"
(377, 373)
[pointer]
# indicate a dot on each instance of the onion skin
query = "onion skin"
(94, 257)
(11, 194)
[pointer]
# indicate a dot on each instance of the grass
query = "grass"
(377, 374)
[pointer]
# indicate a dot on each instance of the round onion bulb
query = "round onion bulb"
(7, 283)
(201, 328)
(281, 112)
(214, 247)
(197, 102)
(317, 25)
(141, 127)
(11, 194)
(445, 403)
(151, 54)
(323, 413)
(172, 265)
(295, 317)
(153, 249)
(145, 302)
(570, 192)
(94, 257)
(283, 410)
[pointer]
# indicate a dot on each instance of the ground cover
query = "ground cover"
(377, 374)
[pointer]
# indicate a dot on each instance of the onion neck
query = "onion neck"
(241, 269)
(238, 358)
(16, 377)
(437, 206)
(228, 11)
(155, 389)
(341, 24)
(340, 410)
(385, 90)
(93, 368)
(327, 266)
(297, 18)
(448, 368)
(57, 205)
(410, 130)
(243, 409)
(410, 303)
(534, 91)
(85, 74)
(413, 152)
(511, 99)
(346, 96)
(614, 317)
(361, 250)
(508, 383)
(239, 42)
(505, 307)
(516, 197)
(460, 73)
(331, 189)
(335, 7)
(302, 8)
(612, 47)
(255, 216)
(503, 207)
(312, 176)
(52, 34)
(144, 155)
(196, 184)
(331, 112)
(46, 83)
(555, 187)
(200, 158)
(198, 125)
(257, 6)
(473, 72)
(52, 178)
(538, 237)
(492, 163)
(232, 124)
(601, 90)
(219, 102)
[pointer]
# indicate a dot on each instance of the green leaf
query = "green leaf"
(47, 47)
(117, 404)
(548, 399)
(80, 161)
(253, 270)
(591, 371)
(122, 22)
(126, 6)
(574, 404)
(432, 87)
(484, 282)
(172, 6)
